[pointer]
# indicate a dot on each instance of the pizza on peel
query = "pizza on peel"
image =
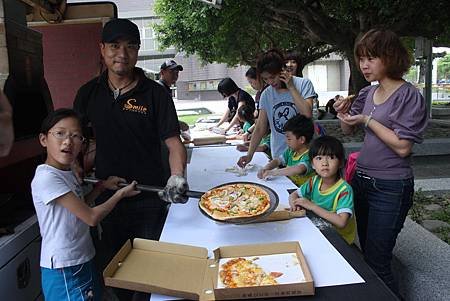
(235, 201)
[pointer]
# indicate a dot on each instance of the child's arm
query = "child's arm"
(92, 216)
(261, 148)
(262, 173)
(339, 220)
(111, 183)
(288, 171)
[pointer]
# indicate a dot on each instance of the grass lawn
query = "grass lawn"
(191, 119)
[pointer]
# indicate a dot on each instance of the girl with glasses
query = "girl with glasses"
(63, 213)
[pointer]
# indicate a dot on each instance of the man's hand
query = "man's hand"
(175, 190)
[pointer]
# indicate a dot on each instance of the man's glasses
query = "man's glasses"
(63, 135)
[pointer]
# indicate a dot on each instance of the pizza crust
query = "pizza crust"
(235, 201)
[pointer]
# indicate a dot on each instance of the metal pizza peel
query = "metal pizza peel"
(264, 217)
(148, 188)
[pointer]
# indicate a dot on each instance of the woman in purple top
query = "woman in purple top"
(394, 116)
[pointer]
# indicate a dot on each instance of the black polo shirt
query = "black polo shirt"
(233, 103)
(129, 129)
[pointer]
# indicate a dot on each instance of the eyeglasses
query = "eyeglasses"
(63, 135)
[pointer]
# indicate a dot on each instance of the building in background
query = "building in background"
(199, 82)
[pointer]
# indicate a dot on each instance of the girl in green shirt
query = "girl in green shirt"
(327, 194)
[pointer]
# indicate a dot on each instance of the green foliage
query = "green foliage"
(411, 75)
(234, 35)
(444, 67)
(240, 30)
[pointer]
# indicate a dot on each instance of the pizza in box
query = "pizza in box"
(259, 271)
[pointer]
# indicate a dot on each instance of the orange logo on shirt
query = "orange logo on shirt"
(130, 105)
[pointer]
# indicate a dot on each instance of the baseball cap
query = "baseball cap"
(171, 64)
(120, 28)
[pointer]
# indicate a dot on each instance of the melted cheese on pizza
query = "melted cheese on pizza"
(241, 272)
(236, 200)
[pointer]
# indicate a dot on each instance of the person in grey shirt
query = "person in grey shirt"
(286, 96)
(394, 116)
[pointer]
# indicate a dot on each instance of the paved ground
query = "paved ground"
(421, 264)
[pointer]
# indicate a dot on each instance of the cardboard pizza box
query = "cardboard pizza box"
(187, 272)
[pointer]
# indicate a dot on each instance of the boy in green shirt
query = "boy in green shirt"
(327, 194)
(299, 131)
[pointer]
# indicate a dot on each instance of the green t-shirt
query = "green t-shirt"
(291, 158)
(246, 126)
(264, 141)
(337, 199)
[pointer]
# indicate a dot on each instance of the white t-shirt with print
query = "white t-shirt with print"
(65, 238)
(280, 107)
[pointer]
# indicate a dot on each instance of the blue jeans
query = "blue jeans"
(74, 283)
(381, 207)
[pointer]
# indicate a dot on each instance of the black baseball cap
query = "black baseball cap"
(120, 28)
(171, 64)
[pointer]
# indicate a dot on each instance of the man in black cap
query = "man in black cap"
(130, 115)
(169, 74)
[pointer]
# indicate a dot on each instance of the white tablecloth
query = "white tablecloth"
(185, 224)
